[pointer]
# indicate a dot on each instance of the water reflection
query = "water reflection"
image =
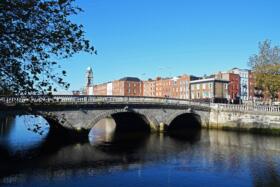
(103, 131)
(21, 133)
(191, 158)
(6, 124)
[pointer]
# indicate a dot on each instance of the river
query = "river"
(28, 157)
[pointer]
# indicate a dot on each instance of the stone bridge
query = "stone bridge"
(79, 113)
(83, 112)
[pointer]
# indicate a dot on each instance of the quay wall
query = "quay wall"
(245, 118)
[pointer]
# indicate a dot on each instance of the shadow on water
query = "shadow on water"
(121, 142)
(189, 155)
(191, 135)
(105, 150)
(184, 122)
(185, 127)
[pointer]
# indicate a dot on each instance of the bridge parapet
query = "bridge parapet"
(253, 108)
(85, 99)
(71, 99)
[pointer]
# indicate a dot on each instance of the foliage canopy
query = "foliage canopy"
(34, 36)
(266, 68)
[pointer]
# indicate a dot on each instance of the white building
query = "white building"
(109, 88)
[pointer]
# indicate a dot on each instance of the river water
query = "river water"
(192, 158)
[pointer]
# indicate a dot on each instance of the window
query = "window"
(192, 95)
(205, 94)
(204, 86)
(197, 86)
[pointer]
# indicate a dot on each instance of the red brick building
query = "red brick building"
(118, 88)
(127, 86)
(176, 87)
(149, 88)
(132, 86)
(100, 89)
(252, 87)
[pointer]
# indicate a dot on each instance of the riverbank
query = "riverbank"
(235, 119)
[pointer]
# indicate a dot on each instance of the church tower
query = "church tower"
(89, 81)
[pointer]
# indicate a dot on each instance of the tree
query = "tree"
(34, 35)
(266, 68)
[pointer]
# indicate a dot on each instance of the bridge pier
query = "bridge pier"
(161, 127)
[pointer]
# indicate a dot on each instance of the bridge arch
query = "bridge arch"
(147, 118)
(184, 119)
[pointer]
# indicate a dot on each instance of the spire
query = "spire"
(89, 77)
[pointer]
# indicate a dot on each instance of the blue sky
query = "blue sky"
(149, 38)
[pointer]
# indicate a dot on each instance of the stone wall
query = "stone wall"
(244, 120)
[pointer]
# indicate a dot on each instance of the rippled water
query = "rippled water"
(29, 157)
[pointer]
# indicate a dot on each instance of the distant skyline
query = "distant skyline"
(149, 38)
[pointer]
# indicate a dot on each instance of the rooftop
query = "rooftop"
(209, 80)
(135, 79)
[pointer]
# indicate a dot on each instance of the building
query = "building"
(163, 87)
(253, 91)
(181, 87)
(127, 86)
(89, 82)
(100, 89)
(234, 84)
(209, 88)
(109, 88)
(132, 86)
(76, 92)
(244, 82)
(118, 88)
(175, 87)
(149, 88)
